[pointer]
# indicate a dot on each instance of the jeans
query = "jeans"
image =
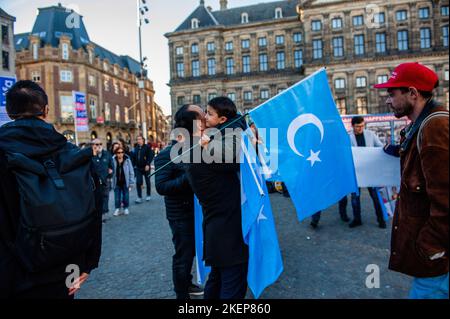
(140, 176)
(227, 282)
(183, 238)
(122, 195)
(430, 288)
(105, 194)
(356, 205)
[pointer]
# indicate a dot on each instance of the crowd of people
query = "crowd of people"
(33, 158)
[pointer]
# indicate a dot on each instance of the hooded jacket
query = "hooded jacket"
(34, 138)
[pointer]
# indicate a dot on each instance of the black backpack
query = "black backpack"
(57, 207)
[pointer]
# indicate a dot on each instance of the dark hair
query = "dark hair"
(185, 119)
(426, 95)
(25, 99)
(224, 107)
(142, 136)
(120, 148)
(357, 120)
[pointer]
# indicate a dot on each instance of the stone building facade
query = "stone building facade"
(7, 50)
(254, 52)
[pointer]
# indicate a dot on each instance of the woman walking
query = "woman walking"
(123, 180)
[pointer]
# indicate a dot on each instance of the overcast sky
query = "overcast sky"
(112, 24)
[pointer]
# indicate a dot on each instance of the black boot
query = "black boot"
(355, 223)
(382, 224)
(345, 218)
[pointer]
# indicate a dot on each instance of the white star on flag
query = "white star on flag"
(314, 158)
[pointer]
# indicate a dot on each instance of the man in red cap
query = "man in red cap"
(420, 237)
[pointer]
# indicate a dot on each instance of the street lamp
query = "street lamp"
(142, 11)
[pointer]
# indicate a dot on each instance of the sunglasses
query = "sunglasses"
(119, 153)
(98, 144)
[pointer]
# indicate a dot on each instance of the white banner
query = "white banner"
(374, 168)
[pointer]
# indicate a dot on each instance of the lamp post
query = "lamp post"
(142, 10)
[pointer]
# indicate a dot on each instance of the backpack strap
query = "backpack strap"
(422, 126)
(54, 175)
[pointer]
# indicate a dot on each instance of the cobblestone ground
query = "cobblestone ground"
(329, 262)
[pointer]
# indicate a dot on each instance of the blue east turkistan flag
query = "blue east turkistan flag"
(258, 226)
(315, 156)
(202, 270)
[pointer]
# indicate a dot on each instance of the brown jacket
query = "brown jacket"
(420, 226)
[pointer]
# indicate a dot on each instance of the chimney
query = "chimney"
(202, 3)
(209, 8)
(223, 4)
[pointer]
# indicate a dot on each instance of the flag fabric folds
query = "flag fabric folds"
(201, 270)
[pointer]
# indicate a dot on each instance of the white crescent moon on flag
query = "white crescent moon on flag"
(297, 124)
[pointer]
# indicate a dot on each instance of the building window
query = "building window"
(445, 36)
(91, 56)
(211, 66)
(211, 47)
(361, 105)
(232, 96)
(424, 13)
(446, 75)
(444, 11)
(148, 99)
(361, 82)
(93, 108)
(65, 76)
(281, 61)
(401, 15)
(5, 60)
(194, 24)
(36, 76)
(338, 47)
(382, 79)
(278, 13)
(402, 40)
(339, 84)
(116, 88)
(244, 18)
(379, 18)
(195, 68)
(230, 66)
(117, 113)
(359, 44)
(107, 112)
(105, 66)
(116, 70)
(92, 80)
(180, 70)
(317, 49)
(180, 100)
(263, 62)
(127, 115)
(194, 48)
(425, 38)
(248, 96)
(196, 99)
(298, 58)
(125, 92)
(246, 64)
(380, 39)
(341, 106)
(66, 102)
(245, 44)
(262, 42)
(65, 51)
(35, 51)
(106, 85)
(279, 40)
(5, 34)
(212, 96)
(297, 37)
(229, 46)
(179, 51)
(336, 23)
(358, 20)
(316, 25)
(264, 94)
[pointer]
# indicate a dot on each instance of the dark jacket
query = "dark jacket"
(102, 164)
(172, 183)
(31, 137)
(420, 225)
(218, 189)
(142, 156)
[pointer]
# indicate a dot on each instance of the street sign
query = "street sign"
(81, 116)
(5, 84)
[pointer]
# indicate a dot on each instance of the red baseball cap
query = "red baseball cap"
(411, 74)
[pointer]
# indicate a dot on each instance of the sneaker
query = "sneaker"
(138, 201)
(148, 198)
(126, 211)
(117, 212)
(195, 290)
(355, 223)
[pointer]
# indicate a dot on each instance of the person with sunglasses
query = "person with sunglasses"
(122, 181)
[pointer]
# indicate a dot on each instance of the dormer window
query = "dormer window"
(244, 18)
(65, 51)
(194, 23)
(278, 13)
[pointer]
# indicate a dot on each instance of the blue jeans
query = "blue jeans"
(227, 282)
(122, 195)
(356, 205)
(430, 288)
(140, 176)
